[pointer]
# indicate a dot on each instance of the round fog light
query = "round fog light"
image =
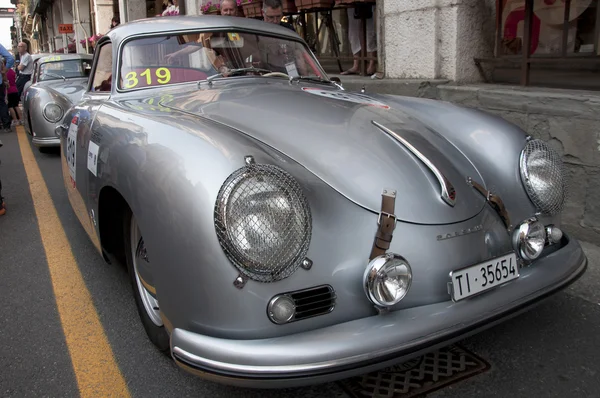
(554, 234)
(531, 239)
(281, 309)
(387, 279)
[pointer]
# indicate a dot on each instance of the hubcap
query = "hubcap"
(140, 257)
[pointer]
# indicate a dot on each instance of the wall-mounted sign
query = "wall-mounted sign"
(65, 28)
(7, 11)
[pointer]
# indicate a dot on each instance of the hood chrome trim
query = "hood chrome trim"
(448, 193)
(494, 201)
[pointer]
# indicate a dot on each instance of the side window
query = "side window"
(103, 73)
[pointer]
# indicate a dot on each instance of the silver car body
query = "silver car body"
(35, 58)
(164, 153)
(39, 93)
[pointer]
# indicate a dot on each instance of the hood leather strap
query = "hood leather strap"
(386, 223)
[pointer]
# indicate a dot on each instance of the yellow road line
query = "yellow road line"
(96, 370)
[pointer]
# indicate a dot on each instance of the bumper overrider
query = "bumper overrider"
(368, 344)
(46, 141)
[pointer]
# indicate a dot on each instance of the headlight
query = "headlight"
(530, 239)
(387, 279)
(52, 112)
(263, 222)
(543, 174)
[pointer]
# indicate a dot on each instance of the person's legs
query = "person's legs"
(371, 43)
(354, 38)
(2, 207)
(13, 108)
(13, 116)
(21, 80)
(4, 116)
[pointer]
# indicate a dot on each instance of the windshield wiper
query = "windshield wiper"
(55, 75)
(315, 79)
(234, 71)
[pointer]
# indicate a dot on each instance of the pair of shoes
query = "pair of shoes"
(2, 209)
(14, 123)
(7, 130)
(21, 122)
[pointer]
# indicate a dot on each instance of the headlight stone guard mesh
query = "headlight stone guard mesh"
(264, 232)
(547, 199)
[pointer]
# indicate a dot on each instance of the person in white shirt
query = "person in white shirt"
(25, 67)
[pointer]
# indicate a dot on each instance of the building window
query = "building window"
(557, 30)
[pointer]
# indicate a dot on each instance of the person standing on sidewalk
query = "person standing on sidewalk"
(2, 207)
(12, 98)
(8, 58)
(4, 117)
(25, 67)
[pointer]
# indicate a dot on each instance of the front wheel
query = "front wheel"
(145, 299)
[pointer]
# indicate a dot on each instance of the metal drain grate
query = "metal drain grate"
(419, 376)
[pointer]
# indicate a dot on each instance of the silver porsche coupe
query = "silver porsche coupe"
(282, 231)
(58, 81)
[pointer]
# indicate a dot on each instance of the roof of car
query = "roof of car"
(188, 22)
(64, 57)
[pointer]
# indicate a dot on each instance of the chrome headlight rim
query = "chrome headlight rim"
(288, 185)
(374, 270)
(544, 203)
(522, 236)
(45, 110)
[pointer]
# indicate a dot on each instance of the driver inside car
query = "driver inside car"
(202, 44)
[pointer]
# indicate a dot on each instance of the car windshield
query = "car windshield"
(191, 57)
(52, 70)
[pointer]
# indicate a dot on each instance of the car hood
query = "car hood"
(73, 89)
(332, 133)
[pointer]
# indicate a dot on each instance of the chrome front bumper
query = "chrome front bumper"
(45, 141)
(364, 345)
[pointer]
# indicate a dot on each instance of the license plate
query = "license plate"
(484, 276)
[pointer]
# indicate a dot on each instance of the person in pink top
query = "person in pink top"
(12, 99)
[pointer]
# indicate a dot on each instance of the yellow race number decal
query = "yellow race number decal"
(160, 76)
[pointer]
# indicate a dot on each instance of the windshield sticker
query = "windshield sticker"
(72, 148)
(92, 160)
(160, 76)
(233, 36)
(291, 69)
(351, 97)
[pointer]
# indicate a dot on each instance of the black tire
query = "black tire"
(158, 335)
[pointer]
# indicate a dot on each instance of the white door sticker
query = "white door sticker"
(72, 148)
(92, 159)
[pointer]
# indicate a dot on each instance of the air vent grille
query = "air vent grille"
(313, 302)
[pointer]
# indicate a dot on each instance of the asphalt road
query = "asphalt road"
(550, 351)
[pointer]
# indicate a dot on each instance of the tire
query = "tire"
(146, 303)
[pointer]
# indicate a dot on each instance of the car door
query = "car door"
(80, 150)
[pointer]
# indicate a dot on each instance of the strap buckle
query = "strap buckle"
(388, 215)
